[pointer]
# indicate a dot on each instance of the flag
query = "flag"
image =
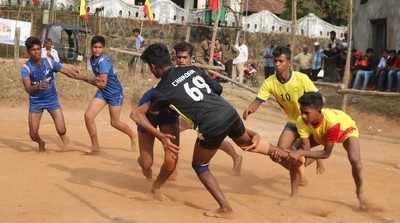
(148, 11)
(35, 2)
(213, 5)
(83, 10)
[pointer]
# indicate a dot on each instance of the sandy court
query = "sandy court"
(70, 187)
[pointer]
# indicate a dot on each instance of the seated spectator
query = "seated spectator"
(366, 66)
(382, 71)
(394, 74)
(250, 72)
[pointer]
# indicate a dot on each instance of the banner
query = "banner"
(7, 31)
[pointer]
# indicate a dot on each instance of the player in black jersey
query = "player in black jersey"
(192, 94)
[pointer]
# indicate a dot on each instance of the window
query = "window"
(287, 30)
(255, 26)
(302, 31)
(129, 13)
(280, 28)
(174, 17)
(273, 28)
(363, 2)
(137, 14)
(248, 26)
(320, 33)
(120, 13)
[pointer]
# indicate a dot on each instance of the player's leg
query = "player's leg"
(170, 160)
(228, 148)
(58, 119)
(115, 114)
(204, 151)
(95, 106)
(34, 124)
(352, 146)
(146, 145)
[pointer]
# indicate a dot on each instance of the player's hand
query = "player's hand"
(246, 113)
(43, 84)
(275, 156)
(295, 155)
(254, 144)
(167, 143)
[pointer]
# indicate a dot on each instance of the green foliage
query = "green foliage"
(332, 11)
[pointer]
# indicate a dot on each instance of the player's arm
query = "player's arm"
(138, 115)
(214, 85)
(262, 96)
(31, 88)
(318, 154)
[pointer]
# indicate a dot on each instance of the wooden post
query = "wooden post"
(294, 28)
(215, 31)
(16, 44)
(188, 32)
(347, 72)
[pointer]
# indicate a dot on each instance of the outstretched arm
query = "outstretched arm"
(252, 108)
(319, 154)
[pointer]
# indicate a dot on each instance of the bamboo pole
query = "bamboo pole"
(215, 31)
(294, 28)
(17, 35)
(347, 72)
(368, 93)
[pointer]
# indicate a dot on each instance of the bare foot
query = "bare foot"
(147, 173)
(159, 196)
(93, 151)
(42, 146)
(65, 141)
(237, 165)
(226, 213)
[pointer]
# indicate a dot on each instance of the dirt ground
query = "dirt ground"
(67, 186)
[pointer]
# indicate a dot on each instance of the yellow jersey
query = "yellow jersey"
(335, 127)
(287, 94)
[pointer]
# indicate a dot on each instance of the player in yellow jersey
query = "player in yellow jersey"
(322, 126)
(286, 86)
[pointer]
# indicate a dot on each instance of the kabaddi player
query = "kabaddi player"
(286, 86)
(38, 77)
(109, 94)
(188, 90)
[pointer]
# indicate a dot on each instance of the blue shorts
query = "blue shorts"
(160, 119)
(115, 100)
(38, 107)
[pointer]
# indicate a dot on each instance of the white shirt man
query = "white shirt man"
(240, 61)
(52, 53)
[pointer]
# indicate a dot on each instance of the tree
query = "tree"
(332, 11)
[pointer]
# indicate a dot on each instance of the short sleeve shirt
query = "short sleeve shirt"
(287, 94)
(103, 65)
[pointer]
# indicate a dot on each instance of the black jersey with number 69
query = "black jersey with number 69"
(196, 97)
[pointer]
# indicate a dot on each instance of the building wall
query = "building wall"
(376, 9)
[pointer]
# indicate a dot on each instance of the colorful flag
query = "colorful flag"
(213, 5)
(35, 2)
(83, 11)
(148, 11)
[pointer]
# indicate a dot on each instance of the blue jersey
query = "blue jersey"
(103, 65)
(38, 72)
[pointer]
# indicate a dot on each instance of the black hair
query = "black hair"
(31, 41)
(281, 50)
(98, 39)
(184, 47)
(312, 99)
(136, 30)
(370, 50)
(157, 54)
(48, 40)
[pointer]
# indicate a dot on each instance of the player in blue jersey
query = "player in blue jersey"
(38, 77)
(109, 93)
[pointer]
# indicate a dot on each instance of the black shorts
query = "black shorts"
(160, 119)
(235, 130)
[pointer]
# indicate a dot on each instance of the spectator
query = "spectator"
(335, 43)
(304, 59)
(318, 60)
(240, 60)
(269, 64)
(203, 54)
(382, 71)
(366, 67)
(217, 56)
(394, 74)
(251, 74)
(139, 40)
(49, 51)
(228, 53)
